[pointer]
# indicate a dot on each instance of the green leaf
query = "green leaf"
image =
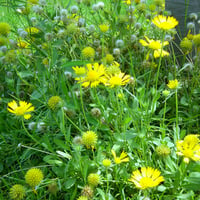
(69, 183)
(193, 181)
(74, 63)
(60, 144)
(25, 74)
(52, 161)
(64, 154)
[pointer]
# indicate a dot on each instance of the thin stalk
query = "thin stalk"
(82, 106)
(176, 99)
(29, 133)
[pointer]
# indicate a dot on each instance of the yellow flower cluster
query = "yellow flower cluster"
(189, 148)
(94, 74)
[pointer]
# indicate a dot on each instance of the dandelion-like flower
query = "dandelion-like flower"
(22, 44)
(93, 179)
(89, 139)
(4, 28)
(106, 162)
(94, 75)
(23, 109)
(17, 192)
(189, 148)
(122, 158)
(79, 71)
(156, 46)
(54, 102)
(116, 80)
(173, 84)
(33, 177)
(165, 23)
(147, 177)
(88, 52)
(104, 27)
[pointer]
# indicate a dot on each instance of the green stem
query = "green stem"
(177, 133)
(163, 122)
(82, 106)
(29, 133)
(73, 123)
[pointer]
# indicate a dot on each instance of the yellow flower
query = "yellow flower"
(116, 80)
(103, 27)
(94, 75)
(33, 177)
(93, 179)
(128, 2)
(88, 52)
(4, 28)
(22, 43)
(54, 101)
(122, 158)
(189, 148)
(155, 45)
(79, 71)
(165, 23)
(32, 30)
(17, 192)
(106, 162)
(147, 177)
(89, 139)
(22, 110)
(173, 84)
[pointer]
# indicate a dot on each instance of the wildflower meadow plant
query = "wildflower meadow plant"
(98, 100)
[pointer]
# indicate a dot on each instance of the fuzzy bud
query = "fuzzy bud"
(96, 112)
(87, 191)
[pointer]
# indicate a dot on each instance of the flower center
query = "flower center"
(146, 182)
(92, 75)
(20, 110)
(115, 81)
(155, 45)
(188, 153)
